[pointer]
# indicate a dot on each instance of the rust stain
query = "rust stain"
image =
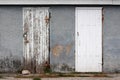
(68, 48)
(47, 19)
(57, 50)
(26, 27)
(26, 41)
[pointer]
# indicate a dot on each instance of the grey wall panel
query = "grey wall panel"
(111, 39)
(11, 49)
(62, 39)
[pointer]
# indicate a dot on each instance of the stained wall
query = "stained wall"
(11, 45)
(62, 38)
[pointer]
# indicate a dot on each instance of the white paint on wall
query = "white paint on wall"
(88, 56)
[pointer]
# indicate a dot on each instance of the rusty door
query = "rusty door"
(36, 38)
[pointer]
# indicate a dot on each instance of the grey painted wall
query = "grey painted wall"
(11, 49)
(62, 43)
(62, 34)
(111, 39)
(62, 38)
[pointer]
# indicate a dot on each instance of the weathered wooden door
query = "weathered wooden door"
(88, 40)
(36, 38)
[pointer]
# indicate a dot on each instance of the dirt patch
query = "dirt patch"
(57, 50)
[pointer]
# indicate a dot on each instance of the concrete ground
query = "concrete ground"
(111, 77)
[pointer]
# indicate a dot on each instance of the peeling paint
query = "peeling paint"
(36, 38)
(47, 19)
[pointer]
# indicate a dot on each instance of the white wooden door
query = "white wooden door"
(36, 37)
(88, 56)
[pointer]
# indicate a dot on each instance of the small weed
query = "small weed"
(37, 78)
(47, 68)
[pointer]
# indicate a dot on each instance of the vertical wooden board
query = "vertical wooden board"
(43, 38)
(88, 40)
(38, 36)
(28, 42)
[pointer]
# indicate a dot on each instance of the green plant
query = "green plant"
(36, 78)
(47, 68)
